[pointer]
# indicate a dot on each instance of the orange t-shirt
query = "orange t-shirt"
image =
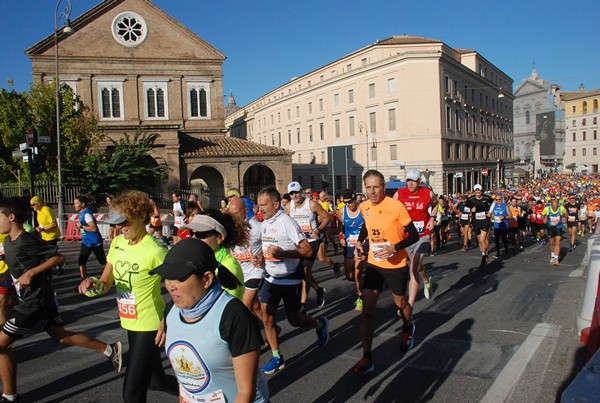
(386, 223)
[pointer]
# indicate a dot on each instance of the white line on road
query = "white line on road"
(509, 377)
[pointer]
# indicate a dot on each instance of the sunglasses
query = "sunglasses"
(294, 193)
(33, 205)
(349, 201)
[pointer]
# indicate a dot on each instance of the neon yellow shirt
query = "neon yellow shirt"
(141, 306)
(45, 217)
(3, 266)
(226, 259)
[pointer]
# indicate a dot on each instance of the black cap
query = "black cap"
(189, 256)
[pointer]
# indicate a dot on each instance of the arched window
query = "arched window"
(584, 106)
(527, 118)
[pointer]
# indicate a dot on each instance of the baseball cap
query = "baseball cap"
(233, 193)
(477, 187)
(36, 200)
(115, 219)
(413, 174)
(294, 187)
(186, 257)
(204, 223)
(315, 194)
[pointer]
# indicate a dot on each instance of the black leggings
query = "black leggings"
(86, 251)
(500, 234)
(144, 368)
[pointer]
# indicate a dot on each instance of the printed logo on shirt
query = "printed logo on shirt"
(192, 373)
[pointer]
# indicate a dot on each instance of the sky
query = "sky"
(268, 42)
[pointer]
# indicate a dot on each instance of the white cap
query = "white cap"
(294, 187)
(477, 187)
(413, 174)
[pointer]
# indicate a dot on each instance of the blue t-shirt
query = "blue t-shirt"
(500, 210)
(89, 238)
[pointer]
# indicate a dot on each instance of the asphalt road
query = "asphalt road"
(503, 333)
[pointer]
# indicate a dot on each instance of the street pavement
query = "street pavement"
(502, 333)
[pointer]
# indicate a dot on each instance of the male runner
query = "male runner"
(537, 222)
(572, 206)
(352, 222)
(480, 205)
(312, 219)
(419, 201)
(283, 248)
(464, 220)
(554, 218)
(390, 230)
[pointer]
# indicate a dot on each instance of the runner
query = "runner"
(582, 217)
(352, 221)
(212, 341)
(178, 214)
(572, 207)
(328, 239)
(156, 224)
(500, 218)
(554, 217)
(512, 218)
(243, 252)
(29, 261)
(131, 257)
(283, 248)
(537, 222)
(464, 220)
(387, 224)
(480, 205)
(312, 219)
(418, 200)
(91, 239)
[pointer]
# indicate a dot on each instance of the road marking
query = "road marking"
(509, 377)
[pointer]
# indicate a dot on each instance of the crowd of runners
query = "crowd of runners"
(228, 270)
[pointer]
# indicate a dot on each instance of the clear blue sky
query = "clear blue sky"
(269, 42)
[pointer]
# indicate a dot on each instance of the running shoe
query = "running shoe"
(556, 262)
(571, 248)
(428, 289)
(484, 259)
(3, 399)
(407, 338)
(358, 304)
(116, 357)
(275, 364)
(336, 270)
(363, 367)
(303, 309)
(320, 297)
(322, 333)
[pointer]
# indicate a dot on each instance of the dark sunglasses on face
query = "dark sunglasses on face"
(349, 201)
(294, 193)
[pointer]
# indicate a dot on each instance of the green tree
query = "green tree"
(15, 119)
(126, 164)
(78, 128)
(572, 166)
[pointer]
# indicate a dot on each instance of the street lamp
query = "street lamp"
(361, 126)
(66, 30)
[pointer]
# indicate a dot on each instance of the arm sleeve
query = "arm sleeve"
(239, 328)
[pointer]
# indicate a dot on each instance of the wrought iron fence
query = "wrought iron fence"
(47, 190)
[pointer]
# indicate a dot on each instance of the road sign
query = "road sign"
(458, 175)
(26, 159)
(508, 173)
(44, 139)
(18, 154)
(31, 136)
(23, 146)
(484, 172)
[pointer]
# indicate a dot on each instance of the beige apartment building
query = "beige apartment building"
(582, 143)
(402, 102)
(138, 68)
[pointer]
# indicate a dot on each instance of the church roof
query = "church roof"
(569, 96)
(221, 146)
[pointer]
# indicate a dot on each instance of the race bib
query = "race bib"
(464, 216)
(480, 215)
(267, 256)
(497, 219)
(352, 239)
(242, 255)
(376, 247)
(420, 226)
(214, 397)
(554, 220)
(305, 226)
(127, 305)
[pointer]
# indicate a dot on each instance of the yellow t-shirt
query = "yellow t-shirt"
(46, 217)
(141, 306)
(226, 259)
(3, 265)
(386, 223)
